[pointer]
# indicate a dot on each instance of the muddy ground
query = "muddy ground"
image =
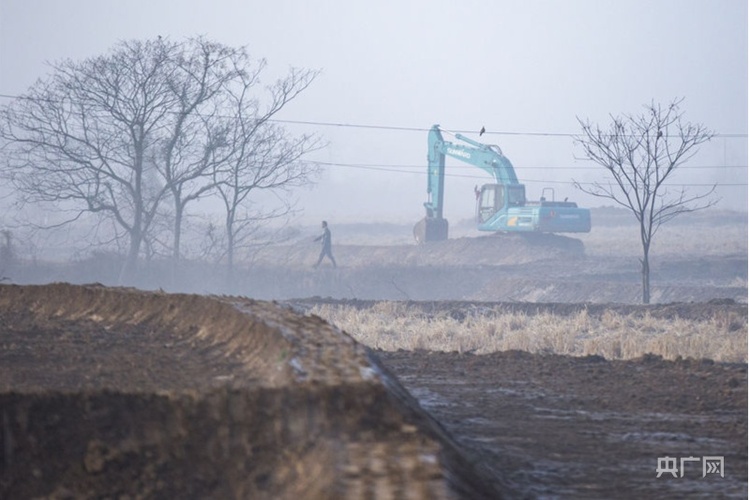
(561, 427)
(109, 393)
(157, 395)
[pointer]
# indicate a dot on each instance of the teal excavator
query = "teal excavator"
(502, 206)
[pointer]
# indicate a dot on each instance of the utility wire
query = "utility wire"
(487, 132)
(422, 129)
(397, 168)
(525, 181)
(527, 167)
(402, 129)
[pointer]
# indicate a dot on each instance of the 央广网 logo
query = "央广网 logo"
(712, 465)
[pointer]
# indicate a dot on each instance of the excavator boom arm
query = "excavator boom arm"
(487, 157)
(435, 174)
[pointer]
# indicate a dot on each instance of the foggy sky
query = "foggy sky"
(524, 68)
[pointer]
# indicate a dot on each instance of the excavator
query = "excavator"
(501, 206)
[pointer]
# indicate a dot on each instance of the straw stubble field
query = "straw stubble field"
(719, 334)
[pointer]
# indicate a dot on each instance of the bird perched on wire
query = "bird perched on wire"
(481, 131)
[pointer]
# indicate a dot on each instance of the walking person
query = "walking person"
(325, 251)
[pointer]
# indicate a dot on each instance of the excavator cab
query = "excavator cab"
(495, 197)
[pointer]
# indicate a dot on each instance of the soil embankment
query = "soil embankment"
(121, 393)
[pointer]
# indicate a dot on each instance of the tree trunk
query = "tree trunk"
(128, 269)
(646, 278)
(230, 256)
(176, 243)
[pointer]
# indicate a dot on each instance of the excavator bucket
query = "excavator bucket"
(431, 229)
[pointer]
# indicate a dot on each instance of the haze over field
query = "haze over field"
(524, 70)
(167, 313)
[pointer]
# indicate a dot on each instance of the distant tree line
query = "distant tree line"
(137, 136)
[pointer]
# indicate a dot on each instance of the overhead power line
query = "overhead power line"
(524, 167)
(408, 129)
(486, 132)
(525, 181)
(420, 129)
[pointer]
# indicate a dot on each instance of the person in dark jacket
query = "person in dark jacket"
(325, 238)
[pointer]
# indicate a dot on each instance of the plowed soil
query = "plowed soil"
(123, 394)
(562, 427)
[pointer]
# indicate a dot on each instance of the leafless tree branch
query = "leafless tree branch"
(150, 122)
(640, 153)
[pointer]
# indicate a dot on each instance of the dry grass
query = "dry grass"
(392, 325)
(681, 240)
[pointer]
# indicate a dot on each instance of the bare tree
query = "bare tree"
(119, 134)
(640, 153)
(188, 153)
(261, 157)
(82, 137)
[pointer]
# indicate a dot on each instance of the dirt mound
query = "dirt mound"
(496, 249)
(121, 393)
(490, 250)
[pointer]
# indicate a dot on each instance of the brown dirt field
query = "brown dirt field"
(561, 427)
(115, 393)
(126, 394)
